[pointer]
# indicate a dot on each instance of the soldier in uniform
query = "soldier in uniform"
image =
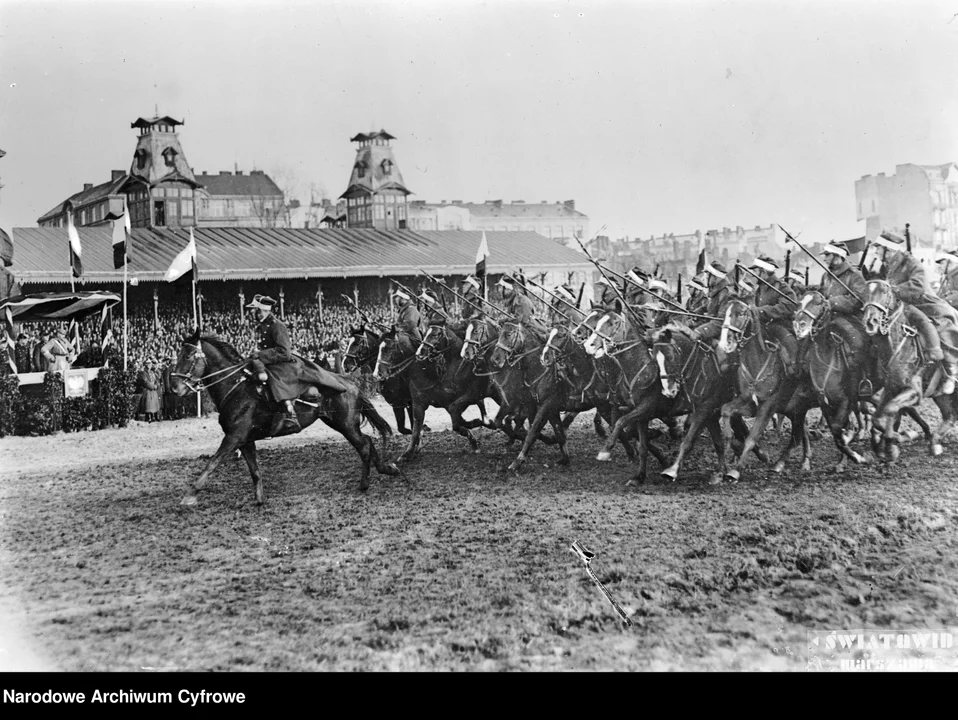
(776, 309)
(636, 287)
(907, 277)
(559, 308)
(608, 298)
(796, 281)
(719, 293)
(520, 307)
(698, 294)
(408, 321)
(948, 290)
(274, 359)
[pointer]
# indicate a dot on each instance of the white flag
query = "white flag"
(184, 262)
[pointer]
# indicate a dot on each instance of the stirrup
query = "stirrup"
(865, 388)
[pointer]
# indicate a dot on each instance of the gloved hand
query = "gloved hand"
(936, 354)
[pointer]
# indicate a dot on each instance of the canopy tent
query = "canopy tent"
(56, 306)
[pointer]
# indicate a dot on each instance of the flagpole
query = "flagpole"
(125, 263)
(199, 393)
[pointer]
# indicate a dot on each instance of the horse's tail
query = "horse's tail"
(369, 412)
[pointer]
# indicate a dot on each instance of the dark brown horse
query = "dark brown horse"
(763, 388)
(246, 414)
(908, 376)
(361, 354)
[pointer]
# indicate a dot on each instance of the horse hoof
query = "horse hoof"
(716, 479)
(405, 431)
(936, 449)
(514, 467)
(779, 466)
(763, 456)
(893, 453)
(189, 500)
(732, 475)
(563, 461)
(670, 474)
(807, 466)
(604, 456)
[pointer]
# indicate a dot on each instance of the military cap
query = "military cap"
(765, 263)
(890, 240)
(264, 302)
(716, 269)
(835, 248)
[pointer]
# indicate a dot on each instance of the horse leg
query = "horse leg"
(418, 415)
(229, 444)
(400, 415)
(714, 427)
(693, 426)
(798, 435)
(740, 428)
(543, 413)
(455, 413)
(837, 420)
(758, 427)
(560, 435)
(605, 454)
(249, 454)
(906, 398)
(641, 428)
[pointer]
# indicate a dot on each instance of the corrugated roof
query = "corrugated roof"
(265, 253)
(226, 183)
(513, 210)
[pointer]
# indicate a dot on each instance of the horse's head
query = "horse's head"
(478, 332)
(667, 358)
(812, 315)
(361, 347)
(879, 307)
(394, 347)
(436, 340)
(738, 320)
(557, 341)
(608, 332)
(583, 331)
(508, 345)
(187, 376)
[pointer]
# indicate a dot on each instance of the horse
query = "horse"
(445, 381)
(246, 413)
(908, 377)
(361, 354)
(838, 358)
(763, 388)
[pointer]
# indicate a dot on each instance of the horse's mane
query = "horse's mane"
(223, 347)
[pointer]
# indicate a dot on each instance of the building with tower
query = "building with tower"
(161, 190)
(376, 195)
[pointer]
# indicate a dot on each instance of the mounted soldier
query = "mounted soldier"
(698, 294)
(796, 281)
(636, 287)
(286, 375)
(775, 311)
(520, 307)
(608, 298)
(471, 290)
(557, 308)
(907, 277)
(408, 320)
(948, 289)
(719, 293)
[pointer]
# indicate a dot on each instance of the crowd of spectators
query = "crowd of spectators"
(155, 336)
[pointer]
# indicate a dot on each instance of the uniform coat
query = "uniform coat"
(289, 376)
(838, 297)
(408, 322)
(949, 287)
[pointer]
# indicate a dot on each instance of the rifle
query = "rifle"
(586, 557)
(463, 298)
(822, 265)
(678, 292)
(363, 313)
(788, 262)
(765, 282)
(908, 238)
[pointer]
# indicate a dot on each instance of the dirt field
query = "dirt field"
(466, 568)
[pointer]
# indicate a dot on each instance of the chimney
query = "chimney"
(87, 186)
(116, 175)
(225, 172)
(570, 204)
(442, 202)
(518, 202)
(239, 172)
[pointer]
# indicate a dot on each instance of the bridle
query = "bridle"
(817, 321)
(189, 378)
(886, 317)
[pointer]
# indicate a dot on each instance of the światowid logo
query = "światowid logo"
(881, 650)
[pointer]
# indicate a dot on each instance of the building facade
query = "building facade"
(376, 195)
(558, 221)
(161, 191)
(925, 197)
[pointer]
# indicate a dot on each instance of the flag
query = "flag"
(9, 341)
(75, 250)
(700, 263)
(184, 262)
(73, 335)
(481, 256)
(106, 328)
(121, 240)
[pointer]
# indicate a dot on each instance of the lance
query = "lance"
(578, 301)
(412, 293)
(822, 265)
(363, 312)
(557, 297)
(807, 268)
(764, 282)
(679, 312)
(618, 292)
(649, 292)
(542, 300)
(464, 299)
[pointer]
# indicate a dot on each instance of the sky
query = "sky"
(655, 117)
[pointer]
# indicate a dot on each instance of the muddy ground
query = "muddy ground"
(468, 567)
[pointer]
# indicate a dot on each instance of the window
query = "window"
(873, 206)
(159, 213)
(142, 157)
(187, 208)
(169, 157)
(157, 192)
(360, 168)
(379, 211)
(387, 166)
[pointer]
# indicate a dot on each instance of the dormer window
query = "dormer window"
(169, 156)
(142, 157)
(360, 168)
(387, 166)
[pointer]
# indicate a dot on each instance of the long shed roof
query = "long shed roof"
(266, 253)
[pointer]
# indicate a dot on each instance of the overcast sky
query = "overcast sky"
(655, 117)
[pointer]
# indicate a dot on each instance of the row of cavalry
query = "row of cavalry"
(654, 370)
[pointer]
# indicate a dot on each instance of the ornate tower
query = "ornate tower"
(161, 184)
(376, 196)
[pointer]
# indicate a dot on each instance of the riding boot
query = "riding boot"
(287, 424)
